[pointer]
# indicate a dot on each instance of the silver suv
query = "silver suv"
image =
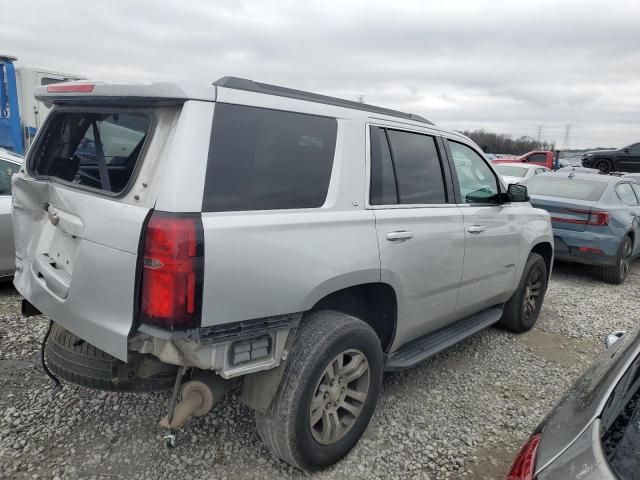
(302, 243)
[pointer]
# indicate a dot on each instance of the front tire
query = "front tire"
(604, 165)
(616, 274)
(523, 308)
(328, 392)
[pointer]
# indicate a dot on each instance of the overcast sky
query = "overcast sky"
(505, 66)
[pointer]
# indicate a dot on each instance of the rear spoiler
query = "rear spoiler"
(122, 93)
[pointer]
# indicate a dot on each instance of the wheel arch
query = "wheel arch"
(545, 250)
(374, 303)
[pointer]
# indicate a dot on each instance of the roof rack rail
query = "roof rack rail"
(251, 86)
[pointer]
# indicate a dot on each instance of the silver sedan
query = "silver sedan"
(9, 164)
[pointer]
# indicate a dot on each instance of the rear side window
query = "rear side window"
(91, 149)
(625, 193)
(405, 169)
(579, 189)
(261, 159)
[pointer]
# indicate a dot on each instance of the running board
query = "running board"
(428, 345)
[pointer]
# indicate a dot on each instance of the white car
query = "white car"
(518, 172)
(9, 164)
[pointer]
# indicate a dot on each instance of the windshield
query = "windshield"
(564, 187)
(511, 170)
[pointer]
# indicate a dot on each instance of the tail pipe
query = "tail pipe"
(198, 397)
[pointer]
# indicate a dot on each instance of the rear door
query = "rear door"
(78, 213)
(419, 227)
(492, 232)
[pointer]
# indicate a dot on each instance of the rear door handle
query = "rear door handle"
(476, 229)
(399, 235)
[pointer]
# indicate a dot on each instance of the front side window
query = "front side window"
(7, 169)
(625, 193)
(91, 149)
(262, 159)
(476, 181)
(636, 189)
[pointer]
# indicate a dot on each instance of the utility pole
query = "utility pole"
(567, 136)
(539, 136)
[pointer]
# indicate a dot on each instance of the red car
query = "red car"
(538, 157)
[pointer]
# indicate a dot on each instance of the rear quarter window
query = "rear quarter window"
(262, 159)
(96, 150)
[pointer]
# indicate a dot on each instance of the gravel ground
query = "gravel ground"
(462, 414)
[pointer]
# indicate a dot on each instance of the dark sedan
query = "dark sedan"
(626, 159)
(594, 432)
(595, 219)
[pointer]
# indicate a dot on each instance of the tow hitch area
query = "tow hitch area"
(197, 397)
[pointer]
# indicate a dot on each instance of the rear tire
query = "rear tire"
(79, 362)
(616, 274)
(298, 425)
(523, 308)
(604, 165)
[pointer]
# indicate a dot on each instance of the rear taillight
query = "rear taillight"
(70, 88)
(597, 219)
(172, 271)
(525, 463)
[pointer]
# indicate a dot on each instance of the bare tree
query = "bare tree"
(502, 143)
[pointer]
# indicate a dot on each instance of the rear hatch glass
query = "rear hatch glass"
(97, 150)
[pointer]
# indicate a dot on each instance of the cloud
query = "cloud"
(507, 66)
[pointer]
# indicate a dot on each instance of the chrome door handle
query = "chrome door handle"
(476, 229)
(399, 235)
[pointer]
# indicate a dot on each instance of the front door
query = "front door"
(419, 228)
(628, 160)
(492, 235)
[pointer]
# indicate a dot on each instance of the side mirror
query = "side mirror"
(627, 150)
(517, 193)
(613, 337)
